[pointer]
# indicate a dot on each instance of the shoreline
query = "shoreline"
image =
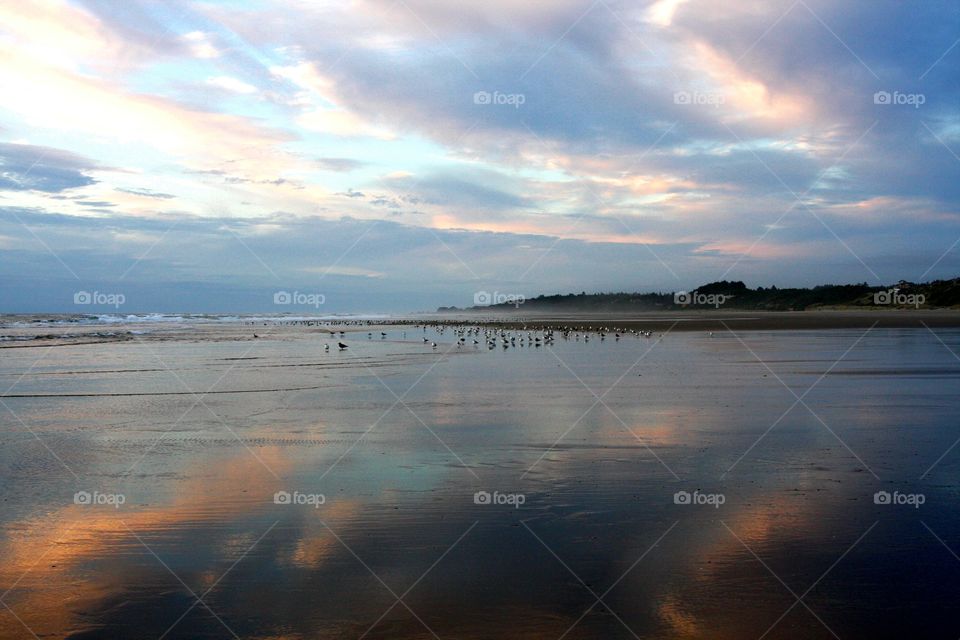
(654, 321)
(723, 320)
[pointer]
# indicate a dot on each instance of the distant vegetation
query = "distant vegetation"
(736, 295)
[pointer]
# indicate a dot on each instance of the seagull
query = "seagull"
(342, 346)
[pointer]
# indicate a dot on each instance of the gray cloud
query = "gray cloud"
(209, 268)
(598, 110)
(25, 167)
(147, 193)
(341, 165)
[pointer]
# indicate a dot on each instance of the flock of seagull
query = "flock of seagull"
(492, 337)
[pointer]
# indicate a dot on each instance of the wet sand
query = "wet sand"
(721, 320)
(26, 332)
(582, 447)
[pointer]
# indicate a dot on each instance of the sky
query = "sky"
(307, 156)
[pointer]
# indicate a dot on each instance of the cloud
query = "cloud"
(365, 110)
(661, 12)
(342, 165)
(61, 34)
(233, 85)
(200, 45)
(146, 193)
(96, 204)
(216, 262)
(35, 168)
(478, 189)
(322, 110)
(45, 96)
(336, 270)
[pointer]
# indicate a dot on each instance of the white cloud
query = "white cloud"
(233, 85)
(334, 270)
(200, 45)
(323, 111)
(661, 12)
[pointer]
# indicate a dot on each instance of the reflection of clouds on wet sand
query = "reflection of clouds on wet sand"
(674, 614)
(83, 554)
(704, 597)
(317, 544)
(397, 499)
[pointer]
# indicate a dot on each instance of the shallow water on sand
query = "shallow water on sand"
(783, 437)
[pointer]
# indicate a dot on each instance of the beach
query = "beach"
(475, 320)
(186, 479)
(720, 320)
